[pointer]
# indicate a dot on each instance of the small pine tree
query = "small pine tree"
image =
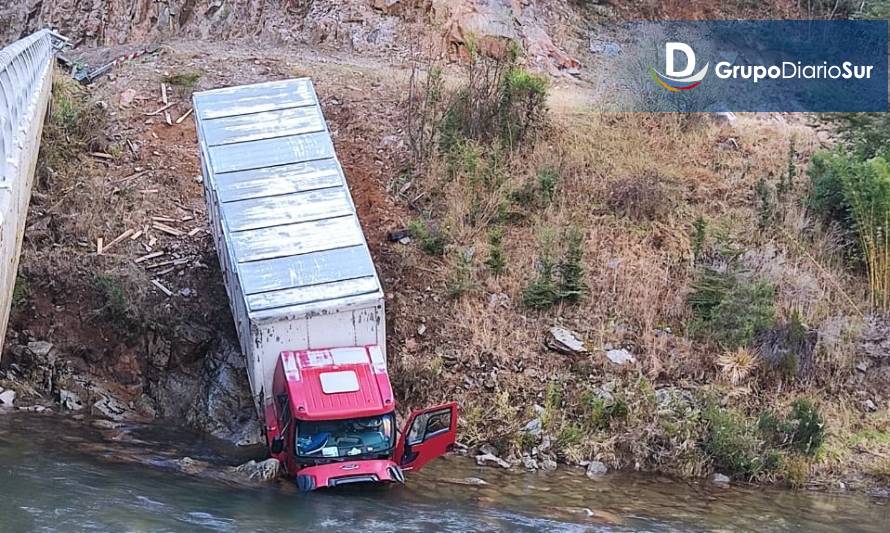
(571, 270)
(764, 205)
(542, 292)
(786, 180)
(497, 260)
(699, 235)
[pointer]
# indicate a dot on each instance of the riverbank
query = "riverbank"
(56, 463)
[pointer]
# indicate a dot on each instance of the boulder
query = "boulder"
(70, 400)
(596, 469)
(489, 459)
(533, 427)
(548, 464)
(529, 462)
(470, 481)
(191, 466)
(720, 479)
(40, 349)
(620, 356)
(7, 398)
(268, 470)
(564, 341)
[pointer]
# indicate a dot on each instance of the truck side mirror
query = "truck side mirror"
(277, 445)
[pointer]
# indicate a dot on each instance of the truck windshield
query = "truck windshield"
(345, 438)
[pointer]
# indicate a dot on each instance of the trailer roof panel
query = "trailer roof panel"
(286, 215)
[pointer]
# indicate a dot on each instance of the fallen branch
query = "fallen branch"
(116, 240)
(183, 117)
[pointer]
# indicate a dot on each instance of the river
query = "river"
(57, 474)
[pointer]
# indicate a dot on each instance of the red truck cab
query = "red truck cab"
(330, 420)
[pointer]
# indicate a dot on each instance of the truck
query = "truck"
(304, 292)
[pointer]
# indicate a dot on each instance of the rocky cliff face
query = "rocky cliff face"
(448, 26)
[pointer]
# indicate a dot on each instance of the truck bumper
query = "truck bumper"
(337, 474)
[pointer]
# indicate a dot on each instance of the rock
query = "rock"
(620, 356)
(564, 341)
(869, 406)
(191, 466)
(397, 235)
(529, 463)
(487, 459)
(862, 366)
(471, 481)
(105, 424)
(267, 470)
(548, 464)
(421, 330)
(127, 97)
(724, 117)
(545, 444)
(533, 427)
(390, 7)
(488, 449)
(596, 469)
(720, 479)
(70, 400)
(606, 48)
(7, 398)
(40, 349)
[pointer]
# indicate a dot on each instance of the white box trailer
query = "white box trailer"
(296, 265)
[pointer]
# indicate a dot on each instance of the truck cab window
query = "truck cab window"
(429, 425)
(345, 438)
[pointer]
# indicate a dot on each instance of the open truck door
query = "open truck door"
(427, 434)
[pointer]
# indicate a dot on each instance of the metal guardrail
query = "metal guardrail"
(22, 64)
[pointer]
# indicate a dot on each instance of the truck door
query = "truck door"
(427, 434)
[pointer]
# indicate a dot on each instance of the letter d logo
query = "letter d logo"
(679, 80)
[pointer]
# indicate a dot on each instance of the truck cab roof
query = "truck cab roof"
(335, 384)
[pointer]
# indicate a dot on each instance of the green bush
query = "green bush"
(729, 310)
(522, 105)
(497, 260)
(803, 430)
(855, 193)
(431, 241)
(572, 286)
(547, 179)
(733, 444)
(542, 292)
(115, 304)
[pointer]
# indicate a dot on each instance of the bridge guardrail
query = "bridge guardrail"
(25, 84)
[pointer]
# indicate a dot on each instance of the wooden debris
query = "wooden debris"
(148, 190)
(165, 271)
(147, 257)
(159, 111)
(130, 177)
(163, 219)
(101, 155)
(159, 265)
(116, 240)
(164, 93)
(136, 235)
(194, 232)
(152, 241)
(99, 246)
(167, 118)
(161, 288)
(166, 229)
(183, 117)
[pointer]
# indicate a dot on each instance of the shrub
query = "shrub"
(572, 286)
(699, 237)
(809, 427)
(497, 260)
(547, 179)
(186, 80)
(729, 310)
(431, 241)
(522, 105)
(803, 430)
(462, 280)
(21, 291)
(826, 198)
(733, 445)
(642, 197)
(765, 208)
(542, 292)
(115, 305)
